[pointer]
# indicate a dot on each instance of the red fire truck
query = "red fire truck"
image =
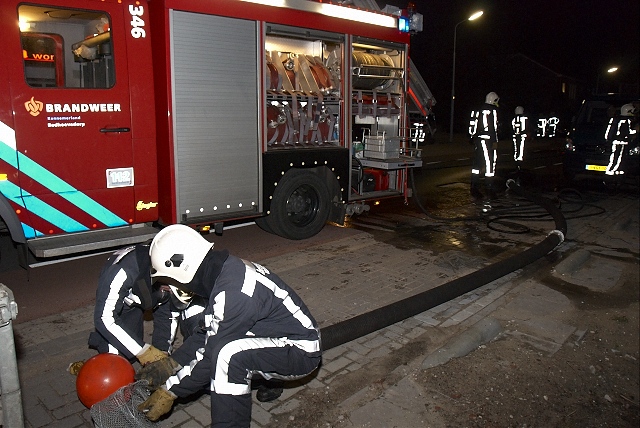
(120, 116)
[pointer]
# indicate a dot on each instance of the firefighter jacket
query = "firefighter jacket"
(620, 130)
(245, 301)
(167, 319)
(484, 123)
(123, 284)
(519, 125)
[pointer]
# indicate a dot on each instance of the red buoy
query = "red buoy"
(102, 375)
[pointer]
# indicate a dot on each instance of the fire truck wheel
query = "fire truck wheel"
(300, 205)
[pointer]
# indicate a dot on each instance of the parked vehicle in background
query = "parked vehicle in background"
(586, 149)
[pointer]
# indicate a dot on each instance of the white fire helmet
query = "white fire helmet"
(492, 98)
(627, 110)
(176, 253)
(519, 110)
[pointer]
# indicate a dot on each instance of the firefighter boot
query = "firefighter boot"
(475, 190)
(269, 391)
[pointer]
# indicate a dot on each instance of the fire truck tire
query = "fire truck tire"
(264, 223)
(300, 205)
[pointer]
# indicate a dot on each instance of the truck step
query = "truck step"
(86, 242)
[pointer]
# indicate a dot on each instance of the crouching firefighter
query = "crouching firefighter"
(123, 295)
(255, 325)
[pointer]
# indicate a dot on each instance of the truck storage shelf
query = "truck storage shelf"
(394, 163)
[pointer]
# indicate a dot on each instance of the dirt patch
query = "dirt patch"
(591, 381)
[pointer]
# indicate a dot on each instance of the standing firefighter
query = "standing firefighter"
(620, 131)
(254, 325)
(483, 128)
(519, 126)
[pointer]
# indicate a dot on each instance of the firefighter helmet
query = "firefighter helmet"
(492, 98)
(102, 375)
(176, 253)
(627, 110)
(519, 110)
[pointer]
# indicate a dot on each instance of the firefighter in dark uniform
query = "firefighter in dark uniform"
(254, 325)
(520, 129)
(519, 125)
(483, 128)
(123, 295)
(620, 132)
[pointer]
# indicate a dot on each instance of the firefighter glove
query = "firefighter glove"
(149, 354)
(158, 404)
(158, 372)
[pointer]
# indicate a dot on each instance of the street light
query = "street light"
(610, 70)
(476, 15)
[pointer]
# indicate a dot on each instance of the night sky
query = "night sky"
(577, 38)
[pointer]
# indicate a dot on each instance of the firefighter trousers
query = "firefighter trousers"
(484, 158)
(238, 361)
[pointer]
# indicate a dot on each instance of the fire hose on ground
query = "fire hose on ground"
(361, 325)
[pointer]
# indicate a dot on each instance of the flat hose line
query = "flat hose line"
(361, 325)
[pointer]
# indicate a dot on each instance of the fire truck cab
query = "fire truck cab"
(121, 116)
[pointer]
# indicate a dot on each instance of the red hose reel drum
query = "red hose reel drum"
(278, 117)
(319, 126)
(376, 70)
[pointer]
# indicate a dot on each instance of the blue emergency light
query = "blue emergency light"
(404, 24)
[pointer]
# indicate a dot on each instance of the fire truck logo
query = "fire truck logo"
(33, 107)
(145, 206)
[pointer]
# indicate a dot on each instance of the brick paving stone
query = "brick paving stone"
(286, 407)
(37, 416)
(381, 351)
(199, 412)
(68, 410)
(322, 373)
(397, 344)
(396, 328)
(333, 353)
(468, 299)
(260, 415)
(376, 341)
(426, 319)
(357, 347)
(416, 332)
(176, 418)
(50, 398)
(336, 365)
(71, 421)
(354, 367)
(461, 316)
